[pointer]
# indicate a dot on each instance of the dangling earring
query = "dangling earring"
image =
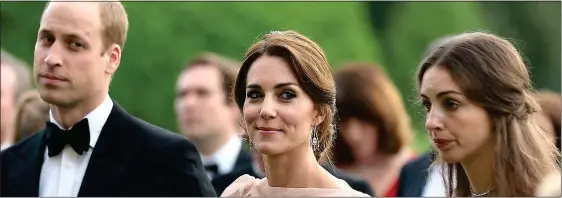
(250, 143)
(314, 139)
(248, 140)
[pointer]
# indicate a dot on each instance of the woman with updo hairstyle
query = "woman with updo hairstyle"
(286, 93)
(478, 97)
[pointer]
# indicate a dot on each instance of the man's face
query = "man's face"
(7, 86)
(70, 64)
(200, 105)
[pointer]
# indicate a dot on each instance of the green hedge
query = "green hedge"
(164, 35)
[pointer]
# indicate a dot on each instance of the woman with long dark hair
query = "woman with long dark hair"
(479, 100)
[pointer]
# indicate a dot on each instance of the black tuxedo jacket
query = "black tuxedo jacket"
(243, 161)
(413, 176)
(222, 182)
(131, 158)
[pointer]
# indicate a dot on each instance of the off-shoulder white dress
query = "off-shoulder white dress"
(248, 186)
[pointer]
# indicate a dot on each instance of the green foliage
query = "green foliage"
(162, 36)
(20, 22)
(535, 29)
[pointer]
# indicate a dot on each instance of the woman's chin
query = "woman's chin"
(450, 157)
(268, 148)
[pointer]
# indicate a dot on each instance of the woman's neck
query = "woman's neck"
(478, 168)
(297, 168)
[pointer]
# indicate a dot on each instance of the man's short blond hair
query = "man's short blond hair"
(114, 21)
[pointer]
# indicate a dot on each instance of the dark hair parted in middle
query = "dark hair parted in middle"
(491, 73)
(309, 65)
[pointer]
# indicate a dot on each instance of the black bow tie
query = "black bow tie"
(213, 168)
(78, 137)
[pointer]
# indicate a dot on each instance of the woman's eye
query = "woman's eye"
(450, 104)
(253, 94)
(287, 95)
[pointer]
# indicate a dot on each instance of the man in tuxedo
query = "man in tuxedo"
(91, 146)
(208, 116)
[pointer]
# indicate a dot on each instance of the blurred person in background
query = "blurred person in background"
(32, 114)
(549, 116)
(419, 177)
(477, 93)
(91, 146)
(207, 115)
(255, 169)
(14, 81)
(286, 92)
(374, 128)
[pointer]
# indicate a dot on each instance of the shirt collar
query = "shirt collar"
(96, 119)
(225, 158)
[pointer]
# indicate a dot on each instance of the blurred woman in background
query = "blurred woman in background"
(286, 93)
(477, 93)
(374, 128)
(32, 114)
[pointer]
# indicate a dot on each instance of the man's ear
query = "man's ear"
(114, 53)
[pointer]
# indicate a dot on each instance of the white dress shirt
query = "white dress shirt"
(61, 175)
(434, 186)
(225, 158)
(4, 146)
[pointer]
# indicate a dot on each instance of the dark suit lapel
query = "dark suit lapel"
(414, 176)
(106, 173)
(330, 168)
(244, 160)
(29, 161)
